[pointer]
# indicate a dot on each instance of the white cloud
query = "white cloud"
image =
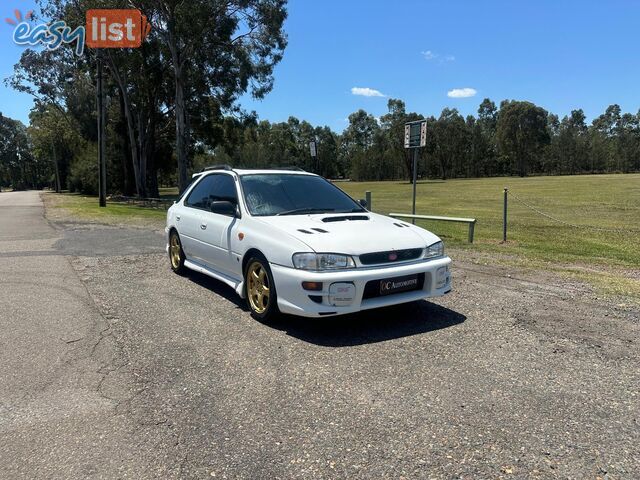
(367, 92)
(431, 55)
(462, 92)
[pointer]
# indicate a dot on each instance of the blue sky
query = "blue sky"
(559, 54)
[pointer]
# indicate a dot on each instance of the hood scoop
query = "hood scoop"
(345, 218)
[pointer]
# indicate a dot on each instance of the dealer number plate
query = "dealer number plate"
(399, 284)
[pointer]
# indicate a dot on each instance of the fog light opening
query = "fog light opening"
(442, 277)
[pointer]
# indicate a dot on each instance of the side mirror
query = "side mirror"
(224, 207)
(363, 202)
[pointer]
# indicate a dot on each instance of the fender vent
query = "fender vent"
(305, 231)
(319, 230)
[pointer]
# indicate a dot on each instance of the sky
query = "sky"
(346, 55)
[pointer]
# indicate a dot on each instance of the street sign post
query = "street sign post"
(313, 148)
(415, 137)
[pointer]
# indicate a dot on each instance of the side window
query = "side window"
(210, 188)
(224, 188)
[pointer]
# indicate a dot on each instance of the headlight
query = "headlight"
(435, 250)
(322, 261)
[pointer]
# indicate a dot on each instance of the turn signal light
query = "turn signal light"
(315, 286)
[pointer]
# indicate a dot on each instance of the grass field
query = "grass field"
(607, 258)
(85, 208)
(601, 201)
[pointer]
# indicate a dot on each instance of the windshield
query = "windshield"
(289, 194)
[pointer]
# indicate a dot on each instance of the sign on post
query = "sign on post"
(415, 136)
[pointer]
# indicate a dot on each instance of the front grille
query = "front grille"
(372, 288)
(392, 256)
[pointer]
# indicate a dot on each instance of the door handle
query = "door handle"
(203, 226)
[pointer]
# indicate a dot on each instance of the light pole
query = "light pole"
(102, 167)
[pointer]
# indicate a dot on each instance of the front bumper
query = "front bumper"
(293, 299)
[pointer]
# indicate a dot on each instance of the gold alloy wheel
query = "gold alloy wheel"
(174, 251)
(258, 287)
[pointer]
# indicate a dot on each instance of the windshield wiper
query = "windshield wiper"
(302, 211)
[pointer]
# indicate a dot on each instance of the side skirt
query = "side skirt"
(238, 286)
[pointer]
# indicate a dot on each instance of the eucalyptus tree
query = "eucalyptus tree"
(393, 124)
(451, 143)
(521, 133)
(18, 168)
(218, 49)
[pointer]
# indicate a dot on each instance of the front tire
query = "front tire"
(260, 289)
(176, 254)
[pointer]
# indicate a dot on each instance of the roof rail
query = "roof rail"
(217, 167)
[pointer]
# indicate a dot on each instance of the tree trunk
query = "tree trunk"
(55, 164)
(130, 128)
(128, 182)
(182, 130)
(142, 151)
(152, 170)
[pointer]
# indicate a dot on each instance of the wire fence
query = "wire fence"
(568, 224)
(160, 203)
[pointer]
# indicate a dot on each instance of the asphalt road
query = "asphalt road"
(114, 367)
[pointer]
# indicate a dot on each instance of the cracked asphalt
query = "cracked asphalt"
(113, 367)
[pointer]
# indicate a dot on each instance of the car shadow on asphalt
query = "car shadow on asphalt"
(370, 326)
(217, 287)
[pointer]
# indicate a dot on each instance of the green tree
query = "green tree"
(521, 133)
(18, 168)
(358, 139)
(451, 143)
(487, 121)
(217, 50)
(393, 124)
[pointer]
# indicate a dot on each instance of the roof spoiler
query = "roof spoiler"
(217, 167)
(289, 167)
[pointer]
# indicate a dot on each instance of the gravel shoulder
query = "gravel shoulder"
(515, 374)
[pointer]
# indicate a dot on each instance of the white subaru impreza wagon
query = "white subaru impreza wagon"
(290, 241)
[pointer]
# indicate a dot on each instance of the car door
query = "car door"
(216, 229)
(189, 220)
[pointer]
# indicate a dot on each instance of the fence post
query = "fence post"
(504, 216)
(472, 227)
(367, 197)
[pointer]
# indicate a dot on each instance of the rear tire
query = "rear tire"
(176, 254)
(260, 289)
